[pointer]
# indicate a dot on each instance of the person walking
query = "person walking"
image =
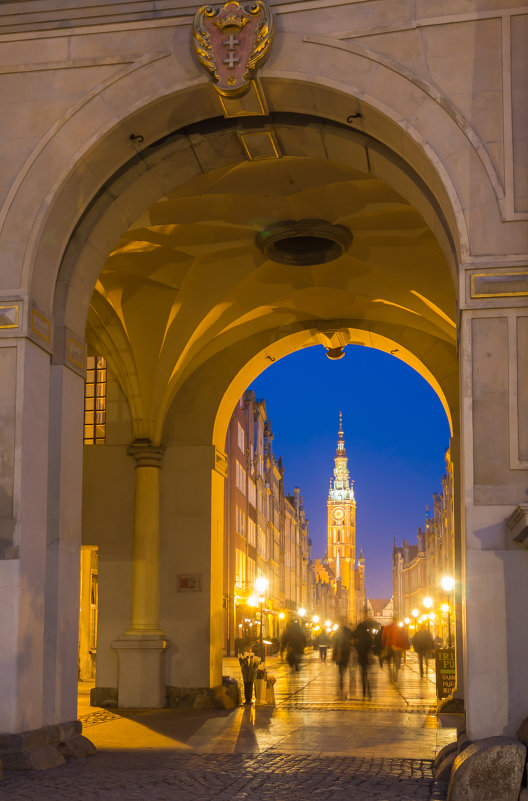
(323, 641)
(293, 641)
(341, 648)
(423, 645)
(362, 639)
(395, 641)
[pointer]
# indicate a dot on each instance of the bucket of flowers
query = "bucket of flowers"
(249, 664)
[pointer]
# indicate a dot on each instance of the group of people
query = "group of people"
(355, 646)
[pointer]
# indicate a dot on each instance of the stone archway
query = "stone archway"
(186, 309)
(87, 180)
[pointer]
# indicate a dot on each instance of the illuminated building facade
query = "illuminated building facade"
(265, 533)
(418, 570)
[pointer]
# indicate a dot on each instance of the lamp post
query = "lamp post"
(448, 584)
(261, 585)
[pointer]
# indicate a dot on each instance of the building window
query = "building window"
(252, 493)
(241, 438)
(95, 401)
(240, 521)
(252, 532)
(240, 478)
(240, 570)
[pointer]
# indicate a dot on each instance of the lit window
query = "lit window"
(95, 401)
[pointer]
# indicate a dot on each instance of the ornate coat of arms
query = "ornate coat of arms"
(230, 42)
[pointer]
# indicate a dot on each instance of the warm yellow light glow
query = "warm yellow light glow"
(335, 626)
(412, 627)
(315, 619)
(448, 583)
(400, 624)
(281, 615)
(316, 628)
(328, 624)
(261, 584)
(432, 616)
(301, 612)
(445, 607)
(407, 621)
(415, 613)
(427, 602)
(434, 308)
(329, 631)
(252, 600)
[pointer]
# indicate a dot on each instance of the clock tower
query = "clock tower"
(342, 523)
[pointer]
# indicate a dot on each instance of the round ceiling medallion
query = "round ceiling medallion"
(304, 242)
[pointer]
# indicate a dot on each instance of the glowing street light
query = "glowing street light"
(415, 613)
(427, 602)
(261, 585)
(301, 612)
(448, 584)
(315, 619)
(328, 624)
(407, 620)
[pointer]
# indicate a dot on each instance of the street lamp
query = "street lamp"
(448, 583)
(261, 585)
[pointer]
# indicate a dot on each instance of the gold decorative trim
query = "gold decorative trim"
(251, 104)
(220, 462)
(40, 325)
(76, 352)
(259, 145)
(506, 278)
(13, 323)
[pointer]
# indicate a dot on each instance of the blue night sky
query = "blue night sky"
(396, 434)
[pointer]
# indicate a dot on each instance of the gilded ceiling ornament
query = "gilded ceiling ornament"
(230, 41)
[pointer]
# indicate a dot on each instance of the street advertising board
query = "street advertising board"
(445, 672)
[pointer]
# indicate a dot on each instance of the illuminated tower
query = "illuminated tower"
(342, 523)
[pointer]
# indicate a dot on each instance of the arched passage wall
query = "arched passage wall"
(57, 237)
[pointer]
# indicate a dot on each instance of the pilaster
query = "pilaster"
(494, 451)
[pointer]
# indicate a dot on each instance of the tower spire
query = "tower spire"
(341, 488)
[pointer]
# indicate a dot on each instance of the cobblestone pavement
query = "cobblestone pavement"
(315, 743)
(269, 776)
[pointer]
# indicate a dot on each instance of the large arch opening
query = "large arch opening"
(188, 308)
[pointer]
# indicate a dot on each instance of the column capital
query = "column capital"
(145, 453)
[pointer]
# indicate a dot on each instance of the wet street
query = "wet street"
(316, 742)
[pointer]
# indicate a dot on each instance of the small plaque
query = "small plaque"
(189, 582)
(40, 325)
(499, 285)
(76, 353)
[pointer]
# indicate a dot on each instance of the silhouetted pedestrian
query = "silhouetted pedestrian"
(362, 639)
(341, 648)
(423, 645)
(293, 641)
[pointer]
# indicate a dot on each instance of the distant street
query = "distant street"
(312, 744)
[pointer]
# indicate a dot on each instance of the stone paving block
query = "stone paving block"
(488, 770)
(77, 747)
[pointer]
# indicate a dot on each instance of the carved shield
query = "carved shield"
(230, 41)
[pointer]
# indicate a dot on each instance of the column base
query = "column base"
(44, 748)
(223, 697)
(140, 683)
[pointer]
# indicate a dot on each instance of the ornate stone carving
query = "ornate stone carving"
(229, 42)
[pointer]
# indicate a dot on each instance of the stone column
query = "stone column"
(140, 650)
